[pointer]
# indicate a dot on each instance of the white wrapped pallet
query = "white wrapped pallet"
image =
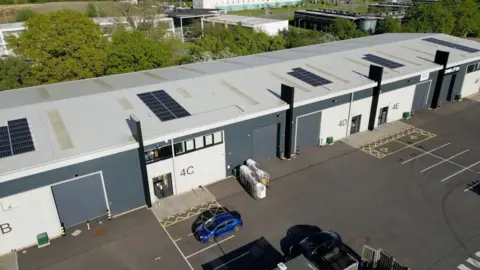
(262, 176)
(248, 179)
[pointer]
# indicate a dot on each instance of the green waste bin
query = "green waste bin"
(459, 97)
(329, 140)
(406, 115)
(43, 240)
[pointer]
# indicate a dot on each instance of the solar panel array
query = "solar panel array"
(451, 45)
(382, 61)
(163, 105)
(15, 138)
(308, 77)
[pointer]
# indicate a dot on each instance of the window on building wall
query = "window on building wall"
(199, 142)
(473, 67)
(217, 137)
(189, 145)
(158, 154)
(208, 140)
(179, 148)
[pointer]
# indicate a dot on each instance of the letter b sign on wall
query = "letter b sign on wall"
(5, 228)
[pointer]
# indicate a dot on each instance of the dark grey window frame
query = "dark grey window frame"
(161, 155)
(205, 146)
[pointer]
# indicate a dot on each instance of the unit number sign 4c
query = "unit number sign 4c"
(187, 171)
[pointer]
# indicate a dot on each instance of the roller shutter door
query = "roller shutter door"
(308, 130)
(265, 142)
(80, 199)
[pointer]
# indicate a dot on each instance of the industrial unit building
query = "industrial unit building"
(320, 19)
(269, 26)
(71, 151)
(243, 4)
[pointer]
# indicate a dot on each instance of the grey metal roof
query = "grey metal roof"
(93, 112)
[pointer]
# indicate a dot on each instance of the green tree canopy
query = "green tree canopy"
(466, 14)
(240, 41)
(131, 51)
(388, 25)
(345, 29)
(63, 45)
(24, 14)
(297, 37)
(429, 18)
(14, 73)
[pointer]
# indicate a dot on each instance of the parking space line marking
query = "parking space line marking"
(467, 189)
(232, 260)
(463, 267)
(473, 262)
(178, 239)
(190, 234)
(434, 165)
(441, 158)
(462, 170)
(408, 160)
(214, 245)
(179, 250)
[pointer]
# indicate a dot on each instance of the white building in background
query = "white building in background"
(242, 4)
(269, 26)
(107, 25)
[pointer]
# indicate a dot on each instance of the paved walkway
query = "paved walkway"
(178, 204)
(9, 262)
(359, 139)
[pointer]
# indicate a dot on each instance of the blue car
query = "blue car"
(218, 225)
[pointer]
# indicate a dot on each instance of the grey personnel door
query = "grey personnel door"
(265, 142)
(382, 118)
(420, 99)
(355, 126)
(308, 130)
(80, 200)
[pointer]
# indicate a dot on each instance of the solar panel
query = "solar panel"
(15, 138)
(308, 77)
(451, 45)
(382, 61)
(163, 105)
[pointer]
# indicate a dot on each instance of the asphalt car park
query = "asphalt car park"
(417, 201)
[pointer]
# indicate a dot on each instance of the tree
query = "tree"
(240, 41)
(24, 14)
(429, 18)
(466, 14)
(388, 25)
(14, 73)
(131, 51)
(345, 29)
(63, 45)
(295, 37)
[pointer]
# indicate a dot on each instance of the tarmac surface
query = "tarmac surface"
(414, 194)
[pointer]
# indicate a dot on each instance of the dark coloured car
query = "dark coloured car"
(326, 250)
(217, 226)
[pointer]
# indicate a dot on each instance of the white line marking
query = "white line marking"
(434, 165)
(439, 157)
(473, 262)
(477, 254)
(467, 189)
(232, 260)
(462, 170)
(408, 160)
(203, 249)
(179, 250)
(463, 267)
